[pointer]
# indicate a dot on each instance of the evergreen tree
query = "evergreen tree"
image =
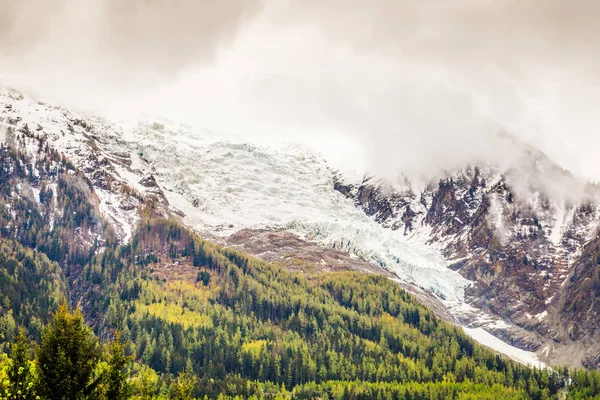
(117, 386)
(146, 383)
(182, 388)
(67, 357)
(21, 380)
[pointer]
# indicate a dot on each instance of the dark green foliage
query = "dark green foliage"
(203, 277)
(31, 287)
(67, 365)
(67, 358)
(406, 391)
(182, 388)
(115, 380)
(587, 384)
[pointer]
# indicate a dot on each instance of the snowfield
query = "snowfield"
(489, 340)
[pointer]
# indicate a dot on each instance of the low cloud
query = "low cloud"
(386, 85)
(69, 48)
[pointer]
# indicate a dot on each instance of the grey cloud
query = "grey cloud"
(404, 85)
(111, 38)
(23, 23)
(169, 33)
(441, 79)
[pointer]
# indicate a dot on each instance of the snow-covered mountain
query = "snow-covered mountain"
(495, 247)
(517, 233)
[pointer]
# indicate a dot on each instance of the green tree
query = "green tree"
(182, 388)
(145, 383)
(20, 378)
(117, 386)
(67, 357)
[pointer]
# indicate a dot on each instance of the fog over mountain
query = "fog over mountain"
(385, 85)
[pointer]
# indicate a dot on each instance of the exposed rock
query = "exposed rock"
(517, 245)
(149, 181)
(128, 204)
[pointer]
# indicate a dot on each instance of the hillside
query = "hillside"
(249, 328)
(242, 325)
(524, 247)
(485, 247)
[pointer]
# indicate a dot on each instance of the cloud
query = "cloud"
(22, 23)
(390, 85)
(434, 82)
(75, 46)
(172, 34)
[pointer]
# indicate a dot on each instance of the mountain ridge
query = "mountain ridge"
(519, 247)
(442, 242)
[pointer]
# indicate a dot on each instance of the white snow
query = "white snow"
(495, 218)
(3, 132)
(123, 221)
(502, 324)
(36, 194)
(491, 341)
(541, 315)
(559, 227)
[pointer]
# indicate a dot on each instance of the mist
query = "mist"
(385, 86)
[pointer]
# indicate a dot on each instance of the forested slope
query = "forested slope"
(240, 326)
(245, 327)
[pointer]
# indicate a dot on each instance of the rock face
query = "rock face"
(532, 252)
(292, 252)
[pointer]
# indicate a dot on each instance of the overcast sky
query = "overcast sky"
(389, 85)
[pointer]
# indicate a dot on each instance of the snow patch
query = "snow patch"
(496, 217)
(541, 315)
(559, 226)
(491, 341)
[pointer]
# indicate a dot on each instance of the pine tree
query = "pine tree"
(146, 383)
(183, 387)
(67, 357)
(21, 380)
(117, 386)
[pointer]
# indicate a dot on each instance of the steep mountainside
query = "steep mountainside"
(525, 247)
(487, 246)
(92, 228)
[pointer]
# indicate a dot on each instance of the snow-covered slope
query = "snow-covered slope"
(220, 186)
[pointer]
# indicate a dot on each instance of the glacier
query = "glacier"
(224, 186)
